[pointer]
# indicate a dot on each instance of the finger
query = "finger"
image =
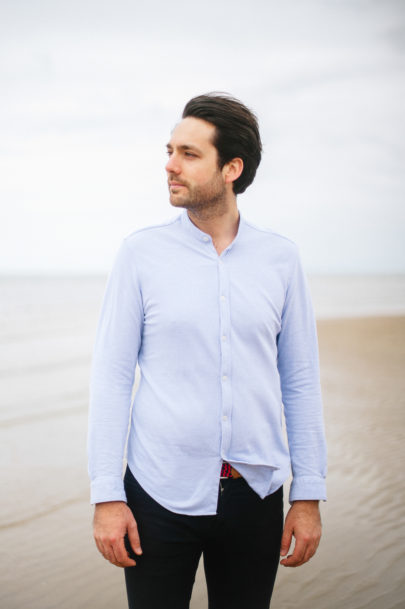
(133, 537)
(297, 556)
(310, 551)
(106, 551)
(307, 556)
(102, 548)
(286, 541)
(109, 555)
(121, 554)
(113, 560)
(121, 562)
(99, 545)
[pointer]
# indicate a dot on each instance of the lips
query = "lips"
(174, 185)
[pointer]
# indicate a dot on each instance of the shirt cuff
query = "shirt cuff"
(107, 488)
(306, 488)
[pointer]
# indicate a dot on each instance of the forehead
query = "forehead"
(193, 132)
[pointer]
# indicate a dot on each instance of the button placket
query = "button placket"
(225, 372)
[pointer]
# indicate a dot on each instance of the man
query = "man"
(217, 314)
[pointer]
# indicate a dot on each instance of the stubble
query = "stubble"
(203, 202)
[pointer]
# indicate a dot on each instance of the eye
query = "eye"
(190, 154)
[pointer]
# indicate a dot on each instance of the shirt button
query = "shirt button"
(222, 297)
(206, 238)
(223, 337)
(224, 378)
(224, 418)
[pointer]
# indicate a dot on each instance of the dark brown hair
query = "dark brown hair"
(236, 132)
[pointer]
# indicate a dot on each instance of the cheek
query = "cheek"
(207, 178)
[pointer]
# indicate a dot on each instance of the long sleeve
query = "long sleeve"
(298, 366)
(117, 344)
(223, 343)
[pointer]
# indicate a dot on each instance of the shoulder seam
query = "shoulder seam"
(152, 227)
(270, 232)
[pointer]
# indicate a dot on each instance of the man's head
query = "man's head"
(194, 178)
(236, 133)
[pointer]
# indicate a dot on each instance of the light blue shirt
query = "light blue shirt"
(223, 343)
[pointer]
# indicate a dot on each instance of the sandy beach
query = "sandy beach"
(48, 559)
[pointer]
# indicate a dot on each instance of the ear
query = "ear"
(232, 170)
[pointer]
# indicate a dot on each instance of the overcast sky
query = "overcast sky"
(91, 89)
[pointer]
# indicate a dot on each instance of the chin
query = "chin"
(177, 203)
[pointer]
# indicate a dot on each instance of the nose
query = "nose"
(172, 165)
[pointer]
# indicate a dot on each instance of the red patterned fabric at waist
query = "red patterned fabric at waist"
(226, 470)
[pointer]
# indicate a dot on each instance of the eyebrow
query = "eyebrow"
(185, 147)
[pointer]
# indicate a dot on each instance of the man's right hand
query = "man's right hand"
(112, 521)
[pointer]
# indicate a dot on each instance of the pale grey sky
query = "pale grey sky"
(90, 91)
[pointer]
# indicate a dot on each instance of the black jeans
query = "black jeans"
(240, 547)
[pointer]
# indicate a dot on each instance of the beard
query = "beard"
(203, 198)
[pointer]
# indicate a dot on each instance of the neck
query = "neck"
(221, 224)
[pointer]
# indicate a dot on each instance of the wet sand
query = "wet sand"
(47, 556)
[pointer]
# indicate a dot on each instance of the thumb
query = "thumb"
(133, 537)
(286, 540)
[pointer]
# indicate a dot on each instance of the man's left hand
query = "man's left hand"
(303, 521)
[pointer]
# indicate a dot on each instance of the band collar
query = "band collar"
(198, 234)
